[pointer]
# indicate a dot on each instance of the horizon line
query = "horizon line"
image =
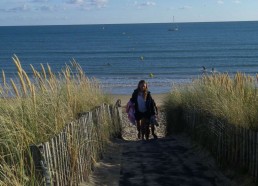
(127, 23)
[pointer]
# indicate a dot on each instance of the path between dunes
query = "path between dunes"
(167, 161)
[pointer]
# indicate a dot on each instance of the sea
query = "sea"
(120, 55)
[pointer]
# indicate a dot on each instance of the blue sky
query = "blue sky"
(60, 12)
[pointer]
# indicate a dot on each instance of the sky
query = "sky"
(66, 12)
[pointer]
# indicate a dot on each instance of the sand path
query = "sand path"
(166, 161)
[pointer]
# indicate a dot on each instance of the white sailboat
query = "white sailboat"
(175, 27)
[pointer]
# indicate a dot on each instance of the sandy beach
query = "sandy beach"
(159, 98)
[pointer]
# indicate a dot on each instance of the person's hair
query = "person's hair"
(146, 90)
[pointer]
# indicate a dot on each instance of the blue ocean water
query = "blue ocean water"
(121, 55)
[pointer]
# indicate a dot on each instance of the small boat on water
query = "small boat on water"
(175, 27)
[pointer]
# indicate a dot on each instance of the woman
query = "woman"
(144, 109)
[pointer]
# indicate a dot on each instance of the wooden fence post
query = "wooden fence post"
(54, 161)
(230, 144)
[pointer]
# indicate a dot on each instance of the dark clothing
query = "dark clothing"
(150, 106)
(140, 115)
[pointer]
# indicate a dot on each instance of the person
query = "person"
(130, 110)
(204, 70)
(153, 121)
(144, 110)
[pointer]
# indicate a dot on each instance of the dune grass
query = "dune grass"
(32, 110)
(231, 98)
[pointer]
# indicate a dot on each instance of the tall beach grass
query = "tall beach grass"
(34, 109)
(231, 98)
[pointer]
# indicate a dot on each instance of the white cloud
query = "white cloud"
(39, 1)
(76, 1)
(31, 8)
(185, 7)
(144, 4)
(148, 3)
(46, 8)
(220, 2)
(23, 8)
(99, 3)
(89, 4)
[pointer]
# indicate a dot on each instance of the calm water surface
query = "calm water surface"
(121, 55)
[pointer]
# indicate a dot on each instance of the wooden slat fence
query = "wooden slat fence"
(67, 158)
(230, 144)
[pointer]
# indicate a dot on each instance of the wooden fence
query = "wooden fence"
(67, 158)
(230, 144)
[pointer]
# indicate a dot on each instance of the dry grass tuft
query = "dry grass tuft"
(234, 99)
(34, 109)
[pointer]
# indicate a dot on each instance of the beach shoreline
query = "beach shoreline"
(159, 98)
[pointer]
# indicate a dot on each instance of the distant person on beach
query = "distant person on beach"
(204, 70)
(213, 71)
(145, 110)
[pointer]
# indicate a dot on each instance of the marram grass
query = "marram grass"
(32, 110)
(231, 98)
